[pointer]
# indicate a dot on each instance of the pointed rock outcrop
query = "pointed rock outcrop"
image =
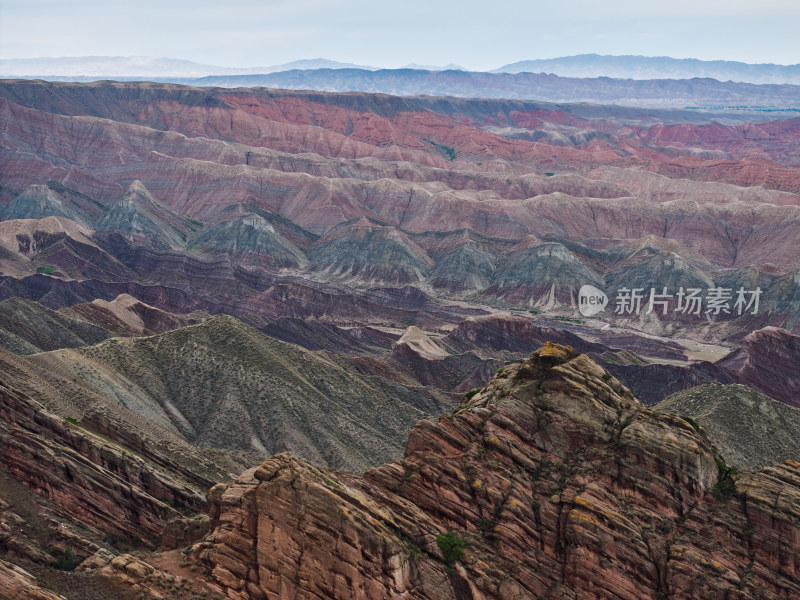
(144, 221)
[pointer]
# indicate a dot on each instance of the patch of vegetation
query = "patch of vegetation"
(549, 174)
(543, 469)
(412, 549)
(71, 421)
(186, 512)
(122, 542)
(330, 482)
(470, 394)
(452, 547)
(725, 487)
(66, 561)
(667, 525)
(449, 153)
(568, 320)
(48, 270)
(691, 422)
(196, 223)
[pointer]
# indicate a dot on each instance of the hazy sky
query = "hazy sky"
(475, 35)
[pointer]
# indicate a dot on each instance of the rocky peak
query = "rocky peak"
(138, 188)
(144, 220)
(551, 482)
(39, 202)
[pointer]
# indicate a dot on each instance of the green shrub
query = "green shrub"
(568, 320)
(66, 561)
(452, 547)
(691, 422)
(725, 485)
(469, 395)
(49, 270)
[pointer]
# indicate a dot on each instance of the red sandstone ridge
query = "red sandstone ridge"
(769, 361)
(552, 482)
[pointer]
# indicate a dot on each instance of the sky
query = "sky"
(477, 35)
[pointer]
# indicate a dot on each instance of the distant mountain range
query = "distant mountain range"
(656, 67)
(583, 65)
(706, 94)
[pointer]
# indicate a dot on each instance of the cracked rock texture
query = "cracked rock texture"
(557, 480)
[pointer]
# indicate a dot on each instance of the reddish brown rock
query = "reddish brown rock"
(96, 482)
(559, 483)
(15, 582)
(769, 361)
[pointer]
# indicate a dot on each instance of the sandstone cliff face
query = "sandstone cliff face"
(552, 482)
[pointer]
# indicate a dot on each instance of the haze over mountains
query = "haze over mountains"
(637, 81)
(656, 67)
(144, 66)
(581, 66)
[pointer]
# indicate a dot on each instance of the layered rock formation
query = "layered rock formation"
(143, 220)
(551, 482)
(94, 481)
(375, 240)
(214, 199)
(18, 583)
(769, 361)
(28, 327)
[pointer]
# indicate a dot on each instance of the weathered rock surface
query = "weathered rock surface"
(769, 361)
(365, 251)
(127, 316)
(251, 239)
(551, 482)
(39, 202)
(223, 385)
(94, 481)
(15, 582)
(510, 203)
